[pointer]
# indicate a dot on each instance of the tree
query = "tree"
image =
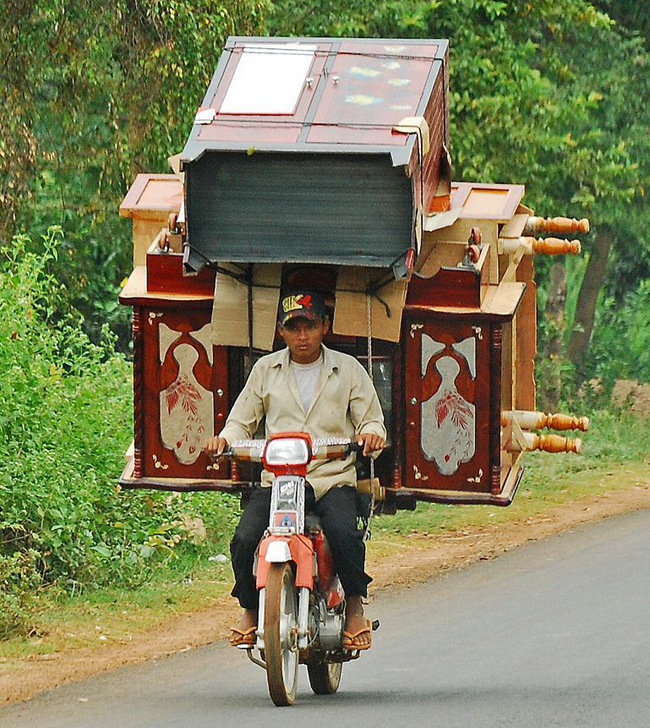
(97, 92)
(629, 14)
(548, 94)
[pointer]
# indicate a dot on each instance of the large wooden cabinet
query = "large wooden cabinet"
(181, 385)
(452, 383)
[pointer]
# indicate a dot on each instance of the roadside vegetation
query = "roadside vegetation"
(551, 94)
(65, 423)
(193, 572)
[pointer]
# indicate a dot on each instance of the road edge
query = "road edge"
(429, 557)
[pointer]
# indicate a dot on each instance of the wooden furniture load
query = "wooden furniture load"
(303, 151)
(457, 386)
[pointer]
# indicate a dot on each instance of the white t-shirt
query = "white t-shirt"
(306, 377)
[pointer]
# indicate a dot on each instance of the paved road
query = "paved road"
(556, 633)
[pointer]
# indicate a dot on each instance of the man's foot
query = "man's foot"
(358, 629)
(244, 632)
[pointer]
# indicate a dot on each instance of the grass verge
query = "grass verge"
(615, 459)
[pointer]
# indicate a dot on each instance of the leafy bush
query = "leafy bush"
(65, 422)
(18, 581)
(620, 346)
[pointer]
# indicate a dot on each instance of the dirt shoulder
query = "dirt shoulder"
(428, 556)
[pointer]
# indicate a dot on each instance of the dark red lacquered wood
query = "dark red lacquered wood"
(428, 171)
(448, 287)
(359, 107)
(422, 472)
(496, 338)
(398, 418)
(165, 275)
(234, 471)
(138, 391)
(189, 486)
(402, 496)
(159, 459)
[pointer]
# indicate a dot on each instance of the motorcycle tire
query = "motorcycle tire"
(324, 677)
(281, 634)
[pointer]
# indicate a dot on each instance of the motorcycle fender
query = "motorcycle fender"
(301, 551)
(277, 552)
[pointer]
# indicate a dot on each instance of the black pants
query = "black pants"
(337, 511)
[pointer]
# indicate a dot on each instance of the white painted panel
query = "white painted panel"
(430, 347)
(448, 429)
(186, 409)
(203, 337)
(467, 349)
(166, 337)
(268, 79)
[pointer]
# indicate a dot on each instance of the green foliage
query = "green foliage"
(620, 344)
(548, 94)
(97, 93)
(620, 347)
(65, 420)
(19, 580)
(630, 14)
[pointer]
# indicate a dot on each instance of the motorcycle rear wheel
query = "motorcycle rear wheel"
(325, 677)
(281, 634)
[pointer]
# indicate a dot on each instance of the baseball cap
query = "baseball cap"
(305, 304)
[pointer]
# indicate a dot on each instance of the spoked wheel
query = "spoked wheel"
(281, 634)
(325, 677)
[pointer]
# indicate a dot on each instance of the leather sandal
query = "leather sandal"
(243, 636)
(350, 640)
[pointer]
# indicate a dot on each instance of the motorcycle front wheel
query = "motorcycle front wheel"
(325, 677)
(281, 634)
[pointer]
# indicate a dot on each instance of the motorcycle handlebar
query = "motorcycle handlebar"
(356, 448)
(337, 451)
(253, 450)
(247, 450)
(225, 454)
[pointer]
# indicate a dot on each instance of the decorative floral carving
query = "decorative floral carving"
(448, 429)
(183, 391)
(418, 474)
(186, 409)
(476, 478)
(158, 464)
(453, 405)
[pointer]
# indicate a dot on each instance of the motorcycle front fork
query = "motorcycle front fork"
(303, 624)
(303, 619)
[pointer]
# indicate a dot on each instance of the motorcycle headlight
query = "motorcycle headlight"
(287, 451)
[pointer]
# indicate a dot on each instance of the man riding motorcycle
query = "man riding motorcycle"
(307, 387)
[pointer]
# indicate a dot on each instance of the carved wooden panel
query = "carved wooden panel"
(449, 374)
(181, 395)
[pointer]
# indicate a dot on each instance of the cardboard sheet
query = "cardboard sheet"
(416, 125)
(230, 308)
(351, 312)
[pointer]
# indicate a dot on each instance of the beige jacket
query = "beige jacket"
(345, 404)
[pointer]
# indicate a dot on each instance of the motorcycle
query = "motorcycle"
(301, 615)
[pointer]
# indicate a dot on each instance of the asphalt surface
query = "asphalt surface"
(556, 633)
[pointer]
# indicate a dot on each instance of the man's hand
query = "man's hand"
(215, 445)
(371, 443)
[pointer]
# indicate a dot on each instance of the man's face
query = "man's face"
(304, 337)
